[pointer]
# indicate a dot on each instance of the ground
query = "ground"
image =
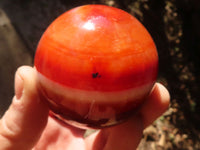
(174, 25)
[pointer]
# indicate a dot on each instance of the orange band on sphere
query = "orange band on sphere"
(116, 47)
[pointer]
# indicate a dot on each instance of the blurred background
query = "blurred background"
(175, 28)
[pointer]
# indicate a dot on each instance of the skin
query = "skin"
(27, 125)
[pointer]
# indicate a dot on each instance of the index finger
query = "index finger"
(128, 134)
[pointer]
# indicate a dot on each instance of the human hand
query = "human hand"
(27, 124)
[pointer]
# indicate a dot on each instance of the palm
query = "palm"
(59, 136)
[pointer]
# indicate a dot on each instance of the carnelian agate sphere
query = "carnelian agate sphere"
(96, 64)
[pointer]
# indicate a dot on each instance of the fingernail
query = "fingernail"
(19, 86)
(164, 94)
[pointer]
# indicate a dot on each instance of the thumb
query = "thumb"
(24, 121)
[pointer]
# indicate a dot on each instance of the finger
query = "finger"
(155, 105)
(24, 121)
(125, 136)
(128, 135)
